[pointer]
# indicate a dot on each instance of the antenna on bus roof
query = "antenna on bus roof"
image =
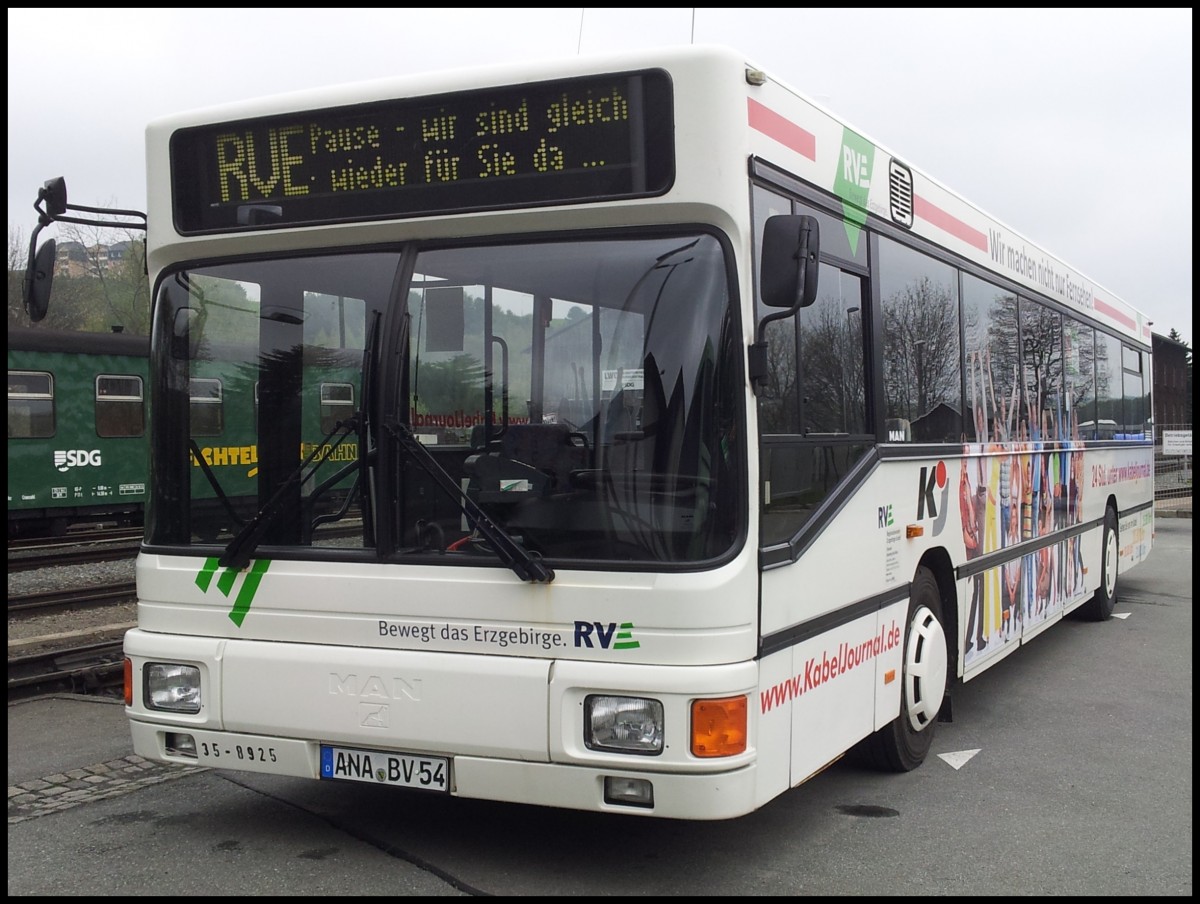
(579, 44)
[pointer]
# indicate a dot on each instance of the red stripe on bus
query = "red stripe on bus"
(931, 213)
(1116, 314)
(782, 130)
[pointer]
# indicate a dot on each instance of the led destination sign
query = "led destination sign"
(559, 142)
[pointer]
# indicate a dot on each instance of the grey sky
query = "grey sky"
(1073, 127)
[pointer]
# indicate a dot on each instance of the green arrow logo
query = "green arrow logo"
(227, 580)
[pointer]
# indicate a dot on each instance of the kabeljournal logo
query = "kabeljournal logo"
(227, 580)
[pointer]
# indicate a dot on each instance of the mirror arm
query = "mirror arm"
(758, 351)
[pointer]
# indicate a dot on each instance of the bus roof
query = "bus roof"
(753, 114)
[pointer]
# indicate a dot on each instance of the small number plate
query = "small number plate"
(404, 769)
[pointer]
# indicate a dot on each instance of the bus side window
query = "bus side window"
(922, 369)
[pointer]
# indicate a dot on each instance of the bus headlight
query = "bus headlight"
(623, 724)
(172, 687)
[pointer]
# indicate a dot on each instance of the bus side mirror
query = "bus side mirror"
(54, 193)
(39, 276)
(186, 331)
(52, 206)
(790, 251)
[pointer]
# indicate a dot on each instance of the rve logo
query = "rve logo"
(856, 167)
(65, 459)
(604, 635)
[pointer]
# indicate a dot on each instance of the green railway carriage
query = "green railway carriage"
(78, 429)
(228, 403)
(79, 433)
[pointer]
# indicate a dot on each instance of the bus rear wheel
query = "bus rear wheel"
(903, 744)
(1100, 606)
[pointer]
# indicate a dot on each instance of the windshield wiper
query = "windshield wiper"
(214, 483)
(240, 549)
(524, 564)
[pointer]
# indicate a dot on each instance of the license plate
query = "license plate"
(407, 770)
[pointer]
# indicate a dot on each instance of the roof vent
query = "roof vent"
(900, 193)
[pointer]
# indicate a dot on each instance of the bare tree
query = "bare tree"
(67, 309)
(921, 358)
(17, 260)
(114, 275)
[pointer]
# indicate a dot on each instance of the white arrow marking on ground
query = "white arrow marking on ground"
(1122, 614)
(959, 758)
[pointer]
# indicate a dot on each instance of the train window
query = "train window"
(207, 407)
(120, 406)
(30, 404)
(337, 404)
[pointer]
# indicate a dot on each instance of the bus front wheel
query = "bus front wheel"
(902, 744)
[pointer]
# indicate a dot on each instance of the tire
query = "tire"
(902, 744)
(1104, 600)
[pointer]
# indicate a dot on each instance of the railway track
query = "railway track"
(93, 667)
(77, 538)
(85, 659)
(113, 546)
(66, 635)
(48, 601)
(70, 557)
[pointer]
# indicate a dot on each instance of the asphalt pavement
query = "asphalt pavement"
(1070, 774)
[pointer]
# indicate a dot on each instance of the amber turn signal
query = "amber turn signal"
(719, 727)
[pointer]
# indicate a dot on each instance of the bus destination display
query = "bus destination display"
(560, 142)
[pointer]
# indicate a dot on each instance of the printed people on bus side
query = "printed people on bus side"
(1004, 487)
(1027, 519)
(973, 506)
(972, 538)
(1012, 536)
(1012, 587)
(1075, 505)
(998, 500)
(1034, 602)
(1004, 491)
(1009, 466)
(989, 501)
(1047, 555)
(1075, 513)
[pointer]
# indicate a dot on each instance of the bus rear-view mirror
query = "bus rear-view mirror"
(790, 251)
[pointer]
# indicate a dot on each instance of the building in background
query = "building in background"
(74, 259)
(1172, 384)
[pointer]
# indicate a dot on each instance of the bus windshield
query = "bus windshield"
(582, 395)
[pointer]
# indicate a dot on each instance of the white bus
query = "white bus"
(688, 439)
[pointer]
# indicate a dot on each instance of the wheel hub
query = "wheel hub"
(924, 668)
